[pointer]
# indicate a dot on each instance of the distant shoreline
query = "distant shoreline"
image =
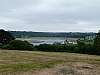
(25, 34)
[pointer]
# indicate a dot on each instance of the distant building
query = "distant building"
(99, 31)
(70, 41)
(98, 34)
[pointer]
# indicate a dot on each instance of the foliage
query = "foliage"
(23, 34)
(9, 43)
(19, 45)
(79, 48)
(53, 48)
(5, 37)
(97, 42)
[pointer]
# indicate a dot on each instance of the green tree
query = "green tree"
(97, 41)
(19, 45)
(5, 37)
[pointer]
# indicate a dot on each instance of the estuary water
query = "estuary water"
(46, 40)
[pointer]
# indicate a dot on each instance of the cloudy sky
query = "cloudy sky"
(50, 15)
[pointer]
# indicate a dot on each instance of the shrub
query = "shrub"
(79, 48)
(5, 37)
(55, 48)
(19, 45)
(97, 42)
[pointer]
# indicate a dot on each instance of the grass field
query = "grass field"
(47, 63)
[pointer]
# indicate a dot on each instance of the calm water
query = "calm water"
(46, 40)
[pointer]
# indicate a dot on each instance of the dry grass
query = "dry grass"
(47, 63)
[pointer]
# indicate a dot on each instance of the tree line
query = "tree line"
(23, 34)
(7, 41)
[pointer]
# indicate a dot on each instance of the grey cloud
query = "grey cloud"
(50, 15)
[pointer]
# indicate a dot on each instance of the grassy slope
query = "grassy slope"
(20, 61)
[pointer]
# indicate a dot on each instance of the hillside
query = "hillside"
(47, 63)
(23, 34)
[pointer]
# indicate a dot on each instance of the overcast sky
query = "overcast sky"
(50, 15)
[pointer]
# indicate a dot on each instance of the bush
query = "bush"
(97, 42)
(5, 37)
(79, 48)
(55, 48)
(19, 45)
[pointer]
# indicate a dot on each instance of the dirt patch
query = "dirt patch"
(77, 68)
(71, 68)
